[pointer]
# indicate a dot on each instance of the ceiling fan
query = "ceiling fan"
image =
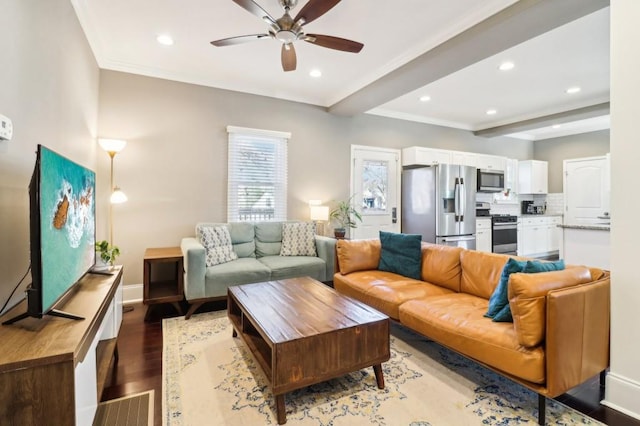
(287, 30)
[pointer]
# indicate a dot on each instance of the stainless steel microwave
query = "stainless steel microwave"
(490, 180)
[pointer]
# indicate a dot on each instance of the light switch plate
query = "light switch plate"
(6, 128)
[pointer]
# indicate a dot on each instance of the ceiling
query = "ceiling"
(449, 50)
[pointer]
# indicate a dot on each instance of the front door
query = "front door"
(375, 185)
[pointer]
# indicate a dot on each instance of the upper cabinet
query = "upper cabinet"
(464, 158)
(491, 162)
(420, 156)
(533, 177)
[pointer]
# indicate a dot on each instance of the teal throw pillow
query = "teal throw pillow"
(499, 299)
(534, 266)
(401, 254)
(530, 267)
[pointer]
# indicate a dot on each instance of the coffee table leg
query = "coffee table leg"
(282, 415)
(379, 377)
(235, 333)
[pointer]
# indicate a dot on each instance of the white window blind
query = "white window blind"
(257, 175)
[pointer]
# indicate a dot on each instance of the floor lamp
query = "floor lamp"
(112, 147)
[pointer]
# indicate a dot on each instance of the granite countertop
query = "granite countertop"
(593, 227)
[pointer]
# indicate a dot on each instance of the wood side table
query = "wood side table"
(166, 290)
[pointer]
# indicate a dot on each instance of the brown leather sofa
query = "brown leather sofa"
(560, 334)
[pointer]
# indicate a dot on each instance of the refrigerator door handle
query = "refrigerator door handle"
(463, 196)
(456, 199)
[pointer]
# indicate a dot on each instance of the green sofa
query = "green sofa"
(258, 248)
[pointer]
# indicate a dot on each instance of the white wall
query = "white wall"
(49, 88)
(623, 380)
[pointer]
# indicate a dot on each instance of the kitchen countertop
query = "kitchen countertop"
(594, 227)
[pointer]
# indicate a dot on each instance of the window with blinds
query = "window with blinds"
(257, 175)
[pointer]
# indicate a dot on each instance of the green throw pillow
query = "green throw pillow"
(401, 254)
(530, 267)
(537, 266)
(499, 299)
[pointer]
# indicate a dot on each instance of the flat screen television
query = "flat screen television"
(63, 228)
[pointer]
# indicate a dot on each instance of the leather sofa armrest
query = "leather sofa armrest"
(577, 334)
(195, 268)
(326, 249)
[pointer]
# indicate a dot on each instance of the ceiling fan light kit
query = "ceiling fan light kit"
(288, 30)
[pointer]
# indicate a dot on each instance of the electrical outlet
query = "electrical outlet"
(6, 128)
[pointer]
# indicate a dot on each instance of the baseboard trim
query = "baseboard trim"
(625, 393)
(132, 293)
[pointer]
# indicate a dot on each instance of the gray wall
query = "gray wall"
(50, 91)
(174, 166)
(575, 146)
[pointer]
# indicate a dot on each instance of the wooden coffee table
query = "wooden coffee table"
(302, 332)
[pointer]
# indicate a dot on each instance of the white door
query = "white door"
(586, 193)
(375, 186)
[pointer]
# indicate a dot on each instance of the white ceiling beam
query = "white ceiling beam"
(584, 113)
(511, 26)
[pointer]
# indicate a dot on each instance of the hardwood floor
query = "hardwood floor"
(140, 367)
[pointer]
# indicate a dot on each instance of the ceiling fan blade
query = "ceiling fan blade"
(336, 43)
(239, 39)
(314, 9)
(254, 8)
(288, 56)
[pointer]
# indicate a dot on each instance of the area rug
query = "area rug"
(209, 377)
(130, 410)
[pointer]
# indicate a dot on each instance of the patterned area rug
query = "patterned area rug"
(211, 378)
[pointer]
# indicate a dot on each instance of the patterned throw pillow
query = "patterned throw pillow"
(217, 244)
(298, 239)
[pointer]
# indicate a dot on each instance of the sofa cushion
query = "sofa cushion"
(400, 253)
(457, 321)
(441, 265)
(528, 300)
(240, 271)
(298, 239)
(499, 299)
(268, 238)
(357, 255)
(481, 272)
(295, 266)
(385, 291)
(243, 238)
(217, 244)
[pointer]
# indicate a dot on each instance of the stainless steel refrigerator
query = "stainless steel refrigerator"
(439, 203)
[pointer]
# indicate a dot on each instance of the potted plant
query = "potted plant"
(344, 215)
(108, 253)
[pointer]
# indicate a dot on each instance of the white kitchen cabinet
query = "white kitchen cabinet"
(483, 235)
(533, 177)
(421, 156)
(539, 235)
(491, 162)
(511, 176)
(464, 158)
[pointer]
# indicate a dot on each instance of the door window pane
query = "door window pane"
(375, 182)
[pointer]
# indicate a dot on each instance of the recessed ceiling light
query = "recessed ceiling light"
(425, 98)
(491, 112)
(165, 40)
(315, 73)
(506, 66)
(556, 126)
(572, 90)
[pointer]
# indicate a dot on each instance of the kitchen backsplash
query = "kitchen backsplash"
(510, 204)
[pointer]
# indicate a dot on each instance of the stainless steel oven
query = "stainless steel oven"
(504, 233)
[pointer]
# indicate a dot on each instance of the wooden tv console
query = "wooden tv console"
(52, 370)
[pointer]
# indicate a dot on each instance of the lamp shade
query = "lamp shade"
(112, 145)
(117, 196)
(320, 213)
